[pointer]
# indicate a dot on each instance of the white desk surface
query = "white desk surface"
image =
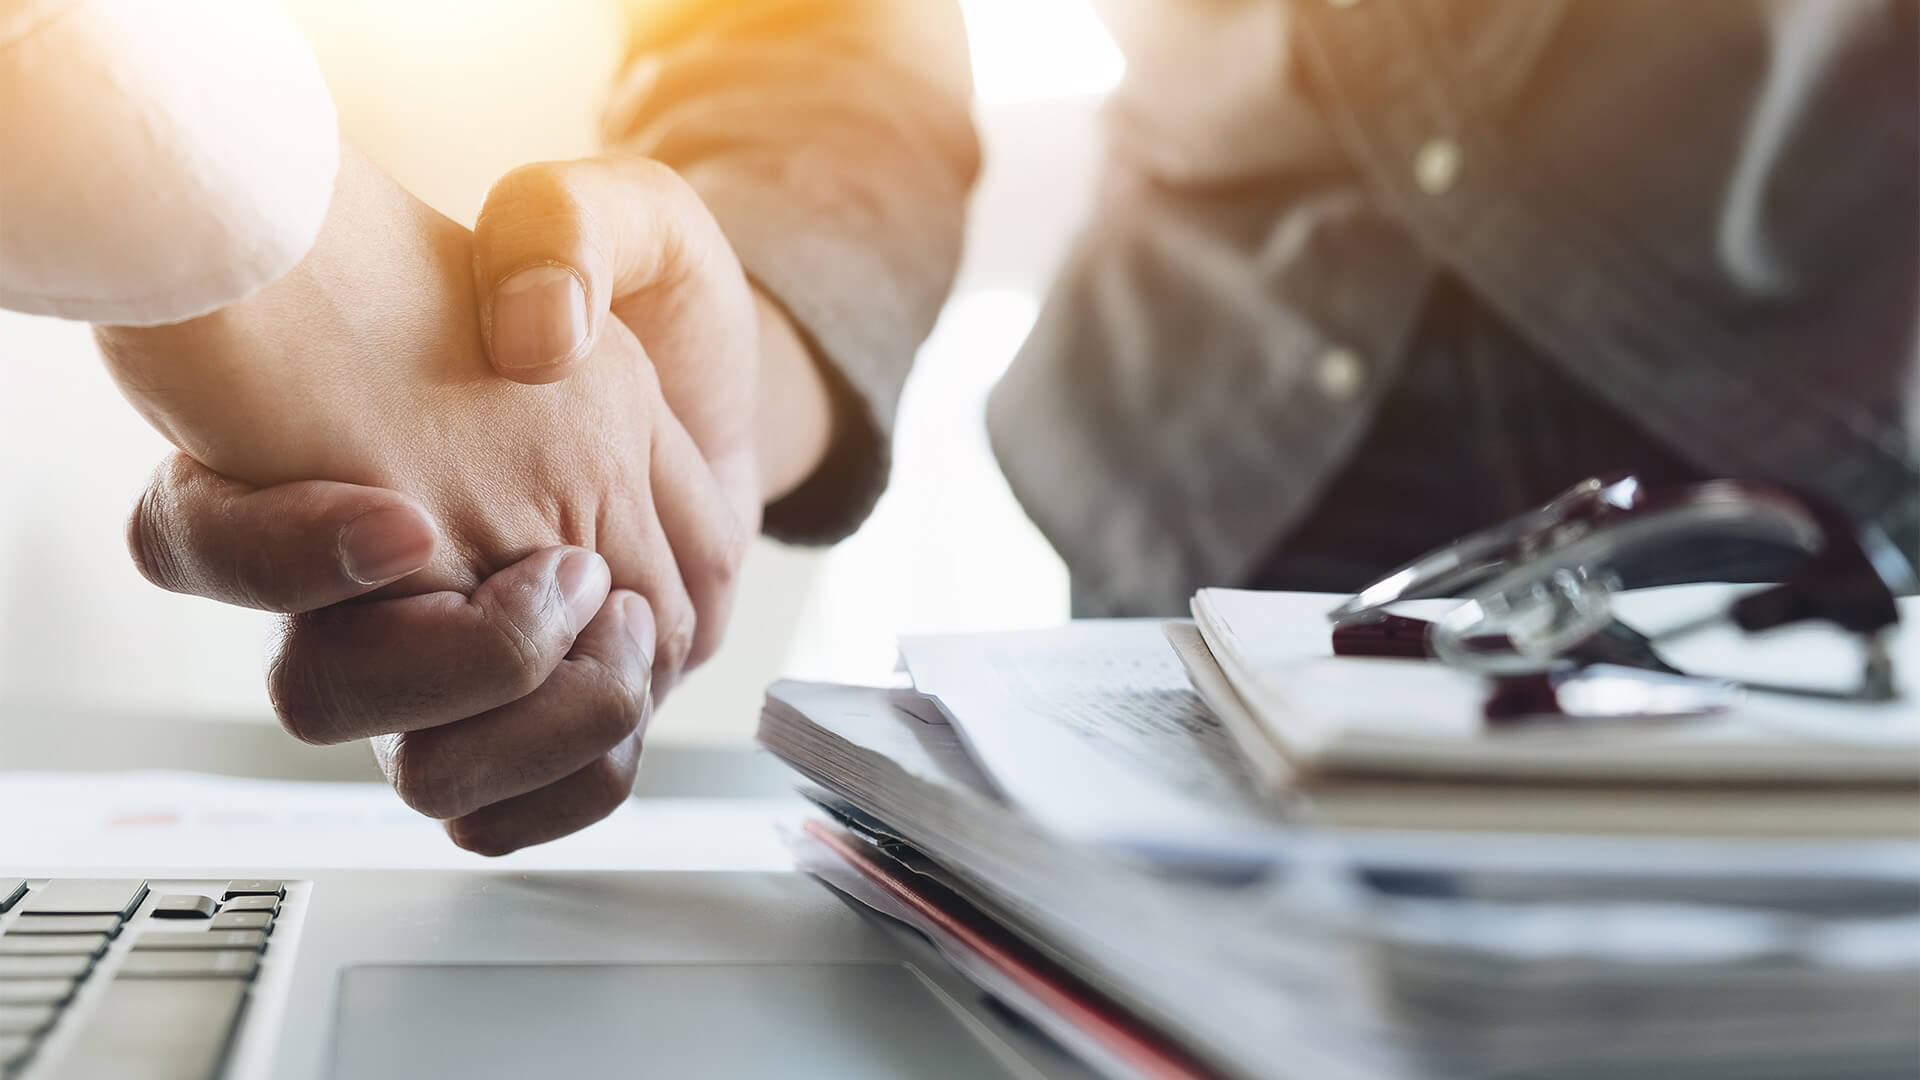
(181, 820)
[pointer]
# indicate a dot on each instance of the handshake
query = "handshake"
(499, 482)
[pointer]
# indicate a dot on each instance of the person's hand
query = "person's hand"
(563, 251)
(527, 701)
(566, 252)
(365, 366)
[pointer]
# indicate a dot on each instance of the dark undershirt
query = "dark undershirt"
(1480, 428)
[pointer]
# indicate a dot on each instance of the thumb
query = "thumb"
(559, 244)
(561, 248)
(538, 271)
(291, 548)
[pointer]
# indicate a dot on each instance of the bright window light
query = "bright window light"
(948, 548)
(1030, 50)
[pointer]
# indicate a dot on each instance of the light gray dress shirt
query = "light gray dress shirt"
(1704, 214)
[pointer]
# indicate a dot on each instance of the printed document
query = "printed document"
(1093, 729)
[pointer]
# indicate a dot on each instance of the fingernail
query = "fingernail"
(381, 545)
(584, 580)
(539, 317)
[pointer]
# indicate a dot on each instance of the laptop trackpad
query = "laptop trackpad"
(828, 1020)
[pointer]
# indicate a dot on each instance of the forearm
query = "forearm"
(262, 390)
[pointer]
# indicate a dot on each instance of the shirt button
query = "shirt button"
(1437, 166)
(1340, 374)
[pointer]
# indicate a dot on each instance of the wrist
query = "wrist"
(261, 390)
(795, 404)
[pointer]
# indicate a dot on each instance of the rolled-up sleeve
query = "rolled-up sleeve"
(157, 161)
(832, 139)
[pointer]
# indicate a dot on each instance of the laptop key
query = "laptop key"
(190, 964)
(14, 1050)
(26, 1019)
(11, 890)
(156, 1029)
(183, 906)
(35, 991)
(254, 888)
(251, 903)
(202, 939)
(53, 945)
(87, 896)
(65, 924)
(241, 920)
(44, 967)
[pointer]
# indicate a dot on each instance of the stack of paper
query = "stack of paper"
(1062, 815)
(1152, 945)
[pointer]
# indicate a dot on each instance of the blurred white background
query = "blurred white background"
(447, 95)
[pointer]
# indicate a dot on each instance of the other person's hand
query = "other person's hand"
(365, 367)
(527, 701)
(566, 251)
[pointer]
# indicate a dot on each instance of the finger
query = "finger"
(655, 574)
(566, 806)
(356, 670)
(704, 528)
(557, 242)
(290, 548)
(595, 700)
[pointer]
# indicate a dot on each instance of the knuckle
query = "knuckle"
(604, 785)
(513, 634)
(427, 781)
(617, 709)
(666, 188)
(721, 563)
(719, 569)
(307, 691)
(153, 557)
(258, 577)
(542, 191)
(292, 703)
(657, 176)
(185, 541)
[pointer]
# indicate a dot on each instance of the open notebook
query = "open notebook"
(1296, 708)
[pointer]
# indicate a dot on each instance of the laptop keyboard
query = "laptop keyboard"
(128, 978)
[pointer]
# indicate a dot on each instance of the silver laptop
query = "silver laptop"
(303, 975)
(377, 974)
